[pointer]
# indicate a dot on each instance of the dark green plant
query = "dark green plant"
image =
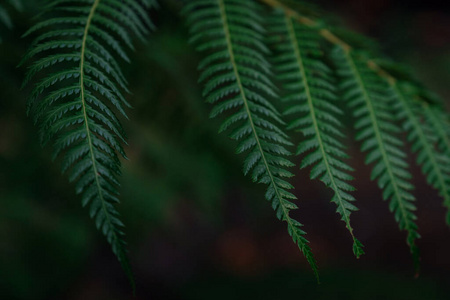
(257, 57)
(76, 99)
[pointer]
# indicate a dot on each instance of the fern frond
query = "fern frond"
(4, 17)
(441, 126)
(367, 95)
(425, 121)
(17, 4)
(238, 79)
(435, 166)
(81, 91)
(313, 101)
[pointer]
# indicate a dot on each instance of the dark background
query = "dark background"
(196, 228)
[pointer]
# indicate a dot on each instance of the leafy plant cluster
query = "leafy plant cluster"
(257, 56)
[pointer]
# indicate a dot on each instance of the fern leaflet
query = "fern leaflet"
(367, 95)
(76, 100)
(435, 166)
(439, 122)
(237, 78)
(312, 91)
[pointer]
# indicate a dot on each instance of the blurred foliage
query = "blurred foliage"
(203, 235)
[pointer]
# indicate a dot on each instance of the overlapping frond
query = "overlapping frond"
(5, 19)
(80, 92)
(440, 123)
(311, 96)
(237, 78)
(370, 99)
(434, 164)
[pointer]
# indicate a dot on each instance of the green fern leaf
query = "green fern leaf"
(366, 94)
(81, 91)
(441, 126)
(435, 165)
(238, 79)
(440, 129)
(312, 100)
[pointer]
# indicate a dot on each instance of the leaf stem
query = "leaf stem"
(285, 210)
(301, 66)
(114, 241)
(380, 142)
(425, 144)
(327, 34)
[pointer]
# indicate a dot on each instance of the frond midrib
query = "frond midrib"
(328, 35)
(250, 118)
(86, 118)
(380, 141)
(425, 143)
(437, 126)
(294, 41)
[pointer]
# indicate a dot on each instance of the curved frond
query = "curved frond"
(441, 126)
(314, 104)
(237, 79)
(370, 100)
(435, 166)
(81, 91)
(4, 17)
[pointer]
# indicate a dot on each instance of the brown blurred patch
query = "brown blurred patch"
(239, 252)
